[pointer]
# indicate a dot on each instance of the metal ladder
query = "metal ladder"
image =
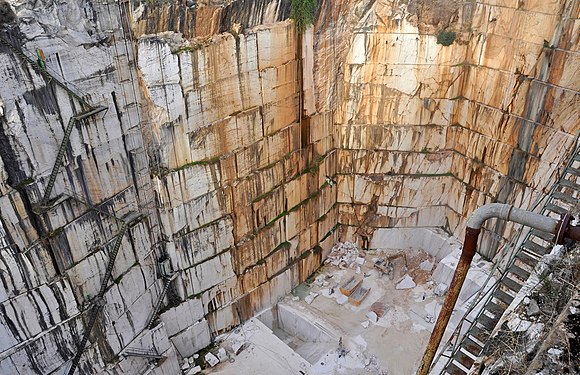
(98, 300)
(564, 195)
(62, 149)
(157, 306)
(51, 76)
(91, 111)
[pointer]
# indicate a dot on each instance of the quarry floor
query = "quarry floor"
(284, 340)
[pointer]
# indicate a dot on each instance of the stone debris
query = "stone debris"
(222, 355)
(320, 280)
(406, 283)
(194, 370)
(372, 316)
(328, 292)
(360, 261)
(185, 366)
(344, 255)
(555, 352)
(379, 309)
(533, 309)
(238, 346)
(341, 299)
(516, 324)
(426, 266)
(310, 297)
(358, 340)
(441, 289)
(211, 359)
(365, 324)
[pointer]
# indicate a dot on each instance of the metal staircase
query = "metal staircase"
(51, 75)
(144, 353)
(72, 92)
(157, 306)
(62, 149)
(98, 300)
(463, 350)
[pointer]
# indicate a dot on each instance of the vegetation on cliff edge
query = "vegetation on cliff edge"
(302, 12)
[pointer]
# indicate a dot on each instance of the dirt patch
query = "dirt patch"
(431, 16)
(419, 275)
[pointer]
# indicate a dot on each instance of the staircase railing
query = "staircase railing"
(157, 306)
(456, 340)
(98, 301)
(62, 149)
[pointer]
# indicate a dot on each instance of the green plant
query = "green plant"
(446, 38)
(302, 12)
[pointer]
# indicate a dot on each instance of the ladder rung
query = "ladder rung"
(511, 284)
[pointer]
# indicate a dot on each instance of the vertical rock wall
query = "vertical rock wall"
(427, 133)
(243, 196)
(202, 148)
(220, 133)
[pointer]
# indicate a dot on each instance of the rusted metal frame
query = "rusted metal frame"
(561, 230)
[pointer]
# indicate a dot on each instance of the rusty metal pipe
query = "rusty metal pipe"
(478, 217)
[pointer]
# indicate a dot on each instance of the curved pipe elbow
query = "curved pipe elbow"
(510, 213)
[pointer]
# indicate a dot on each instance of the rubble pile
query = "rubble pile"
(344, 255)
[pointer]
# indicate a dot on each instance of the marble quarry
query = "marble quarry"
(171, 169)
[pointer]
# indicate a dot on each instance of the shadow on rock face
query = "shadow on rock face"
(6, 13)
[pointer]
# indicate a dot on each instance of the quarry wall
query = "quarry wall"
(427, 133)
(221, 130)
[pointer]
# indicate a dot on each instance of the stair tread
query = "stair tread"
(452, 369)
(503, 296)
(565, 198)
(487, 322)
(526, 259)
(471, 346)
(570, 184)
(534, 247)
(555, 208)
(520, 272)
(511, 284)
(479, 333)
(462, 358)
(573, 171)
(493, 308)
(543, 235)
